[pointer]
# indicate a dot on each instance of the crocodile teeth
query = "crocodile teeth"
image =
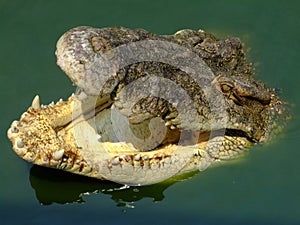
(58, 154)
(137, 157)
(98, 136)
(115, 161)
(168, 123)
(20, 143)
(36, 103)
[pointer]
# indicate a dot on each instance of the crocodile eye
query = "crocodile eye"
(226, 88)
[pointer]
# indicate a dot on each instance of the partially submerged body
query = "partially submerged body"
(149, 107)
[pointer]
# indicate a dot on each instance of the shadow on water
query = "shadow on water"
(56, 186)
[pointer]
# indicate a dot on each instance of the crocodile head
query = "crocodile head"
(148, 107)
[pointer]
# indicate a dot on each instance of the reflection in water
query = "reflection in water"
(56, 186)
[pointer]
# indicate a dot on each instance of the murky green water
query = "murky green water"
(262, 188)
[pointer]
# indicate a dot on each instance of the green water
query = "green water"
(262, 188)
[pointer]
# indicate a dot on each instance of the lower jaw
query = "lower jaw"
(88, 145)
(119, 158)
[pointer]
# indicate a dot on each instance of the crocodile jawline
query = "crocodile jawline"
(56, 136)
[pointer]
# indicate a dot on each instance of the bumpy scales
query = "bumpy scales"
(149, 107)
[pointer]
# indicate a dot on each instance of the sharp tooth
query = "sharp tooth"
(98, 136)
(115, 161)
(137, 157)
(36, 103)
(168, 123)
(20, 143)
(58, 154)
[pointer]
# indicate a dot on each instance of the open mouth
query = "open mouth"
(220, 108)
(154, 135)
(80, 136)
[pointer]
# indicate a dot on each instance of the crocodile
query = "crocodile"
(148, 107)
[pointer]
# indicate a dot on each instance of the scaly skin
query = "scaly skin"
(221, 111)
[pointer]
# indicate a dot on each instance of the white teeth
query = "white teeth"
(124, 157)
(36, 103)
(172, 127)
(137, 157)
(168, 123)
(20, 143)
(115, 161)
(58, 154)
(98, 136)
